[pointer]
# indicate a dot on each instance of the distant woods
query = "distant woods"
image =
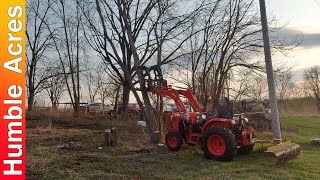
(312, 84)
(88, 51)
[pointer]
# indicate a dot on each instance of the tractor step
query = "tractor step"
(196, 135)
(196, 138)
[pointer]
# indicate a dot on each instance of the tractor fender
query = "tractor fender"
(221, 122)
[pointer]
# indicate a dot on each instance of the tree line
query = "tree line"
(101, 46)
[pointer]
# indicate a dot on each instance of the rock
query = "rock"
(315, 141)
(61, 146)
(142, 123)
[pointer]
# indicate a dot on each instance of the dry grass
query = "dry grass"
(135, 158)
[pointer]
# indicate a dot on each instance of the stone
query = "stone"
(315, 141)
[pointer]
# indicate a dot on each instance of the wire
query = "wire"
(317, 2)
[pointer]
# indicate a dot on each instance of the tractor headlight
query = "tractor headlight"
(201, 118)
(233, 122)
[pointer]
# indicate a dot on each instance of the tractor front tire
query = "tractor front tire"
(174, 141)
(219, 143)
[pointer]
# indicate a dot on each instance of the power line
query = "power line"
(317, 2)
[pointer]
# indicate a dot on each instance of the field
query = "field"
(85, 157)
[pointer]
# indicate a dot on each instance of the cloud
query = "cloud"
(298, 75)
(309, 40)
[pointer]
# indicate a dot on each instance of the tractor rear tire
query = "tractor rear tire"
(219, 143)
(174, 141)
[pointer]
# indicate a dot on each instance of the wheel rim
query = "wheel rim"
(216, 145)
(172, 141)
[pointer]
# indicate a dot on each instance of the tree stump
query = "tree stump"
(110, 137)
(107, 137)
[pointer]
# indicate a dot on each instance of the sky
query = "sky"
(301, 17)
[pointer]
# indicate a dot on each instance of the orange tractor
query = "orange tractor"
(220, 138)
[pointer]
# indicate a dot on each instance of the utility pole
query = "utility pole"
(269, 69)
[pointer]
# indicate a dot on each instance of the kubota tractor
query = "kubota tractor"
(220, 138)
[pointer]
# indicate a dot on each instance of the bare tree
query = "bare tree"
(38, 43)
(91, 78)
(298, 90)
(108, 88)
(109, 41)
(67, 42)
(284, 85)
(312, 78)
(230, 38)
(240, 84)
(107, 35)
(125, 37)
(257, 87)
(110, 91)
(55, 86)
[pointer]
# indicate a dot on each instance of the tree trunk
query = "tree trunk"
(216, 97)
(77, 108)
(125, 98)
(54, 106)
(150, 117)
(116, 99)
(159, 118)
(30, 100)
(31, 90)
(148, 114)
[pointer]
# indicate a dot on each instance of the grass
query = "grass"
(135, 158)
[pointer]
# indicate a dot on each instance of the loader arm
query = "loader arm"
(172, 94)
(193, 101)
(158, 85)
(162, 89)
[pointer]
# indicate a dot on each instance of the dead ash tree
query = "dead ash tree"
(122, 33)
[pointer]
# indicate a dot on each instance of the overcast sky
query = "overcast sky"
(303, 17)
